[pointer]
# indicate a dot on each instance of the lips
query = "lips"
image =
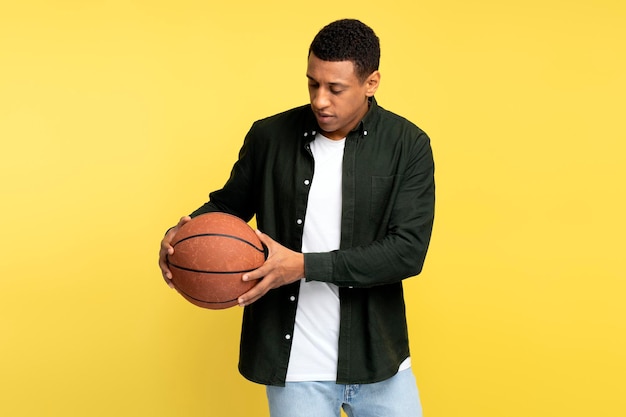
(323, 117)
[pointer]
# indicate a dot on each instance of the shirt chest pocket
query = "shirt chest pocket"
(382, 188)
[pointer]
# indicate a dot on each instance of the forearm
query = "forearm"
(389, 260)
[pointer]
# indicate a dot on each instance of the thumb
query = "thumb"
(267, 242)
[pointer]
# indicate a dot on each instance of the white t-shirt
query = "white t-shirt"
(314, 349)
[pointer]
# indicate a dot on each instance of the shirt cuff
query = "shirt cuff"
(318, 266)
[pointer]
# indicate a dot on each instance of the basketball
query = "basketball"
(211, 253)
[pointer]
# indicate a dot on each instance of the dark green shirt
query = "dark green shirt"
(388, 196)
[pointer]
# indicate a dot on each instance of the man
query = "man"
(343, 191)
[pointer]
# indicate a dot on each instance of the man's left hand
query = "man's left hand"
(282, 266)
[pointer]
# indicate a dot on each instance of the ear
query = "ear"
(371, 83)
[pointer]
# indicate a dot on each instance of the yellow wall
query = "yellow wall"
(117, 117)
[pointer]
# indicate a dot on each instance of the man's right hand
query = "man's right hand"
(167, 249)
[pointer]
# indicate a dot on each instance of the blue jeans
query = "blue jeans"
(394, 397)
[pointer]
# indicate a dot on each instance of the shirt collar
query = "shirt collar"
(312, 128)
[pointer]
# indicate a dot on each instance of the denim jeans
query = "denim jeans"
(394, 397)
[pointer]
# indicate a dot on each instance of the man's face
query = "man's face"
(339, 98)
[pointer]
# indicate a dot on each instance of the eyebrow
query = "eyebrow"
(332, 84)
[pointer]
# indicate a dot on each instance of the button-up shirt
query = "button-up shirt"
(388, 197)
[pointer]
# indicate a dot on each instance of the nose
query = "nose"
(320, 99)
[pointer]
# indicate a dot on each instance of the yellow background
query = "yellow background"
(118, 117)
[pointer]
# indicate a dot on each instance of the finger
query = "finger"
(169, 283)
(165, 270)
(171, 232)
(163, 262)
(265, 239)
(256, 274)
(253, 294)
(167, 250)
(183, 220)
(166, 247)
(167, 276)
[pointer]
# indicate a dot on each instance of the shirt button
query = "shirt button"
(292, 298)
(307, 182)
(313, 133)
(287, 336)
(365, 133)
(299, 221)
(306, 134)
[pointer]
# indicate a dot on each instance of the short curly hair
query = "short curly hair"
(348, 40)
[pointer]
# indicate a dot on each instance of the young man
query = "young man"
(344, 193)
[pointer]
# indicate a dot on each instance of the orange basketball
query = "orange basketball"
(211, 253)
